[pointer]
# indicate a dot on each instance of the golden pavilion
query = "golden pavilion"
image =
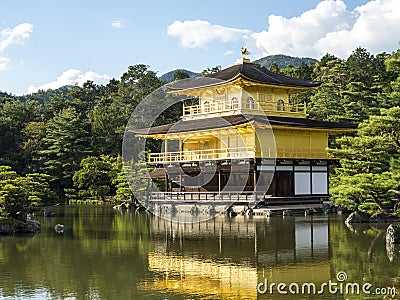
(243, 140)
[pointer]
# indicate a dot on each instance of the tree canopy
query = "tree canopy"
(69, 136)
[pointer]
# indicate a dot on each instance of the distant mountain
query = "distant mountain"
(283, 61)
(168, 77)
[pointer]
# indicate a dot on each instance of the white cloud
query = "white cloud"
(15, 35)
(118, 23)
(199, 33)
(10, 36)
(376, 28)
(71, 77)
(328, 28)
(229, 52)
(4, 63)
(300, 35)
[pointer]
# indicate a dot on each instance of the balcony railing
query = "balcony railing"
(215, 107)
(209, 154)
(235, 153)
(298, 153)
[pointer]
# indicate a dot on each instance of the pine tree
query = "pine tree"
(95, 176)
(66, 143)
(368, 164)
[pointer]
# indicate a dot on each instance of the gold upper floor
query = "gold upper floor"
(242, 98)
(241, 142)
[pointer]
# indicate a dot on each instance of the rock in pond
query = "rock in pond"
(30, 226)
(15, 226)
(59, 228)
(383, 217)
(358, 217)
(393, 234)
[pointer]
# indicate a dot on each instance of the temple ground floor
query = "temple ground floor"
(255, 181)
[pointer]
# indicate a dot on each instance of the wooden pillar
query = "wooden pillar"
(180, 148)
(219, 180)
(166, 148)
(166, 182)
(255, 178)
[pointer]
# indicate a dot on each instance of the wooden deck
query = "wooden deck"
(232, 198)
(204, 197)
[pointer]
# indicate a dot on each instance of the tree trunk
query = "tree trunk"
(394, 191)
(378, 202)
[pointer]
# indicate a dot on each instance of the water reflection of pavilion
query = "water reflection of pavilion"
(229, 257)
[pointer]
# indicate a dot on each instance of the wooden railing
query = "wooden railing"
(264, 106)
(233, 196)
(298, 153)
(209, 154)
(235, 153)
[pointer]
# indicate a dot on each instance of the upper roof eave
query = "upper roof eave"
(220, 122)
(247, 71)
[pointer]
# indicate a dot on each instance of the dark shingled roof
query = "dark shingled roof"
(252, 72)
(220, 122)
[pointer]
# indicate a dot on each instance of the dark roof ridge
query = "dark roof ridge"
(233, 120)
(261, 70)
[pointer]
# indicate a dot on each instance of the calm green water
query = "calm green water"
(105, 254)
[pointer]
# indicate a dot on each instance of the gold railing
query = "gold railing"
(236, 153)
(226, 106)
(209, 154)
(299, 153)
(284, 108)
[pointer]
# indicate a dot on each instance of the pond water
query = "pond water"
(107, 254)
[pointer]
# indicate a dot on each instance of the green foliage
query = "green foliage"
(355, 88)
(210, 71)
(66, 143)
(303, 71)
(22, 194)
(107, 127)
(136, 84)
(52, 131)
(130, 176)
(274, 68)
(369, 163)
(96, 175)
(14, 116)
(123, 191)
(180, 74)
(33, 135)
(325, 103)
(177, 74)
(283, 61)
(362, 191)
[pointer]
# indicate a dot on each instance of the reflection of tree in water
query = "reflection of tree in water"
(110, 255)
(392, 251)
(100, 252)
(225, 258)
(360, 250)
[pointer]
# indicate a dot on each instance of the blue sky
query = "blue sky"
(46, 44)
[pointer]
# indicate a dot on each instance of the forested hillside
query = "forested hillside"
(69, 136)
(282, 61)
(172, 75)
